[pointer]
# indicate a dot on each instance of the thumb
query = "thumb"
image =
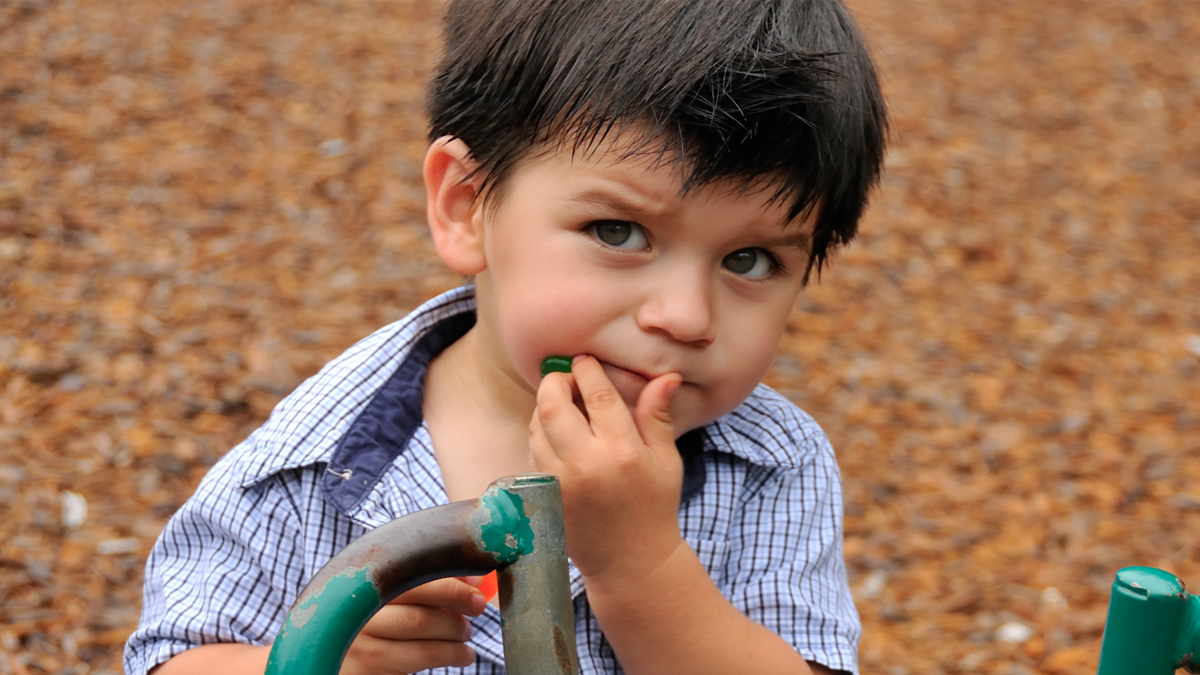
(652, 415)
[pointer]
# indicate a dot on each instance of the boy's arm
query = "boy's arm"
(213, 590)
(206, 582)
(227, 659)
(676, 620)
(621, 480)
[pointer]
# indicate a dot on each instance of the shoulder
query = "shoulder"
(771, 431)
(307, 426)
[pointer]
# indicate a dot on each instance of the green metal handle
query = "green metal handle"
(1153, 625)
(516, 527)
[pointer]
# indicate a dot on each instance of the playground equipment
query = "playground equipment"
(516, 528)
(1153, 625)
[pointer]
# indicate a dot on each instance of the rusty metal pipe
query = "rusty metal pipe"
(516, 527)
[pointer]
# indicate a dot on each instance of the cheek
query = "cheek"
(560, 317)
(757, 348)
(749, 346)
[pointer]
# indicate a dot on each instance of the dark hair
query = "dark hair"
(733, 89)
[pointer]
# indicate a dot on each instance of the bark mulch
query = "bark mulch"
(202, 202)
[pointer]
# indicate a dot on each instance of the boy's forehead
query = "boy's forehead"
(646, 174)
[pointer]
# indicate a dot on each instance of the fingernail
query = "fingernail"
(478, 602)
(466, 635)
(472, 580)
(672, 387)
(577, 357)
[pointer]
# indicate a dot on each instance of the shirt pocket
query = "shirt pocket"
(713, 554)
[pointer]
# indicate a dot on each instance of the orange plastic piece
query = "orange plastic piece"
(489, 586)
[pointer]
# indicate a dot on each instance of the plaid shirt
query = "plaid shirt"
(349, 451)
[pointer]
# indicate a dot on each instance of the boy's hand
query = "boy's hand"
(421, 629)
(621, 474)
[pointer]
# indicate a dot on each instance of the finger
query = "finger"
(652, 415)
(606, 410)
(417, 622)
(451, 594)
(561, 364)
(545, 459)
(557, 391)
(560, 422)
(374, 655)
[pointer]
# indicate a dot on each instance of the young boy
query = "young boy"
(645, 184)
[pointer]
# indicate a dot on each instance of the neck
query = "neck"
(482, 386)
(478, 417)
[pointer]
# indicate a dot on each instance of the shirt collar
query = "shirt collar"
(309, 424)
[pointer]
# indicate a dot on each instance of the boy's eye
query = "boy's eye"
(752, 263)
(620, 234)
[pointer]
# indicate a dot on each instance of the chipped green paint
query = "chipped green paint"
(508, 535)
(331, 616)
(556, 364)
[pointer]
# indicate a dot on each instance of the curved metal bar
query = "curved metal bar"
(516, 527)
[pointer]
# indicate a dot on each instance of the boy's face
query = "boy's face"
(589, 253)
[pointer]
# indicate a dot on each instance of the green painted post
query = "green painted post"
(1188, 646)
(1153, 625)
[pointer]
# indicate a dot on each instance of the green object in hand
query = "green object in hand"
(556, 364)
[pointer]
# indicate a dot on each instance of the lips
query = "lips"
(625, 371)
(628, 383)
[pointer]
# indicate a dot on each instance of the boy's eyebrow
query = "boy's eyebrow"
(799, 240)
(615, 201)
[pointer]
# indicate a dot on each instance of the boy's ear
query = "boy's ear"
(453, 204)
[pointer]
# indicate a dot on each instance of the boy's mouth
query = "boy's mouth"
(612, 367)
(628, 383)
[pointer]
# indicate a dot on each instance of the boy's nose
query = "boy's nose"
(682, 308)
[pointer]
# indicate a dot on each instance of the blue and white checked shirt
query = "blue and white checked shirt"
(349, 451)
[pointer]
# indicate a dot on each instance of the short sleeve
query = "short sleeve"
(225, 569)
(786, 570)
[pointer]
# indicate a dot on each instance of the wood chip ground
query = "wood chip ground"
(202, 202)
